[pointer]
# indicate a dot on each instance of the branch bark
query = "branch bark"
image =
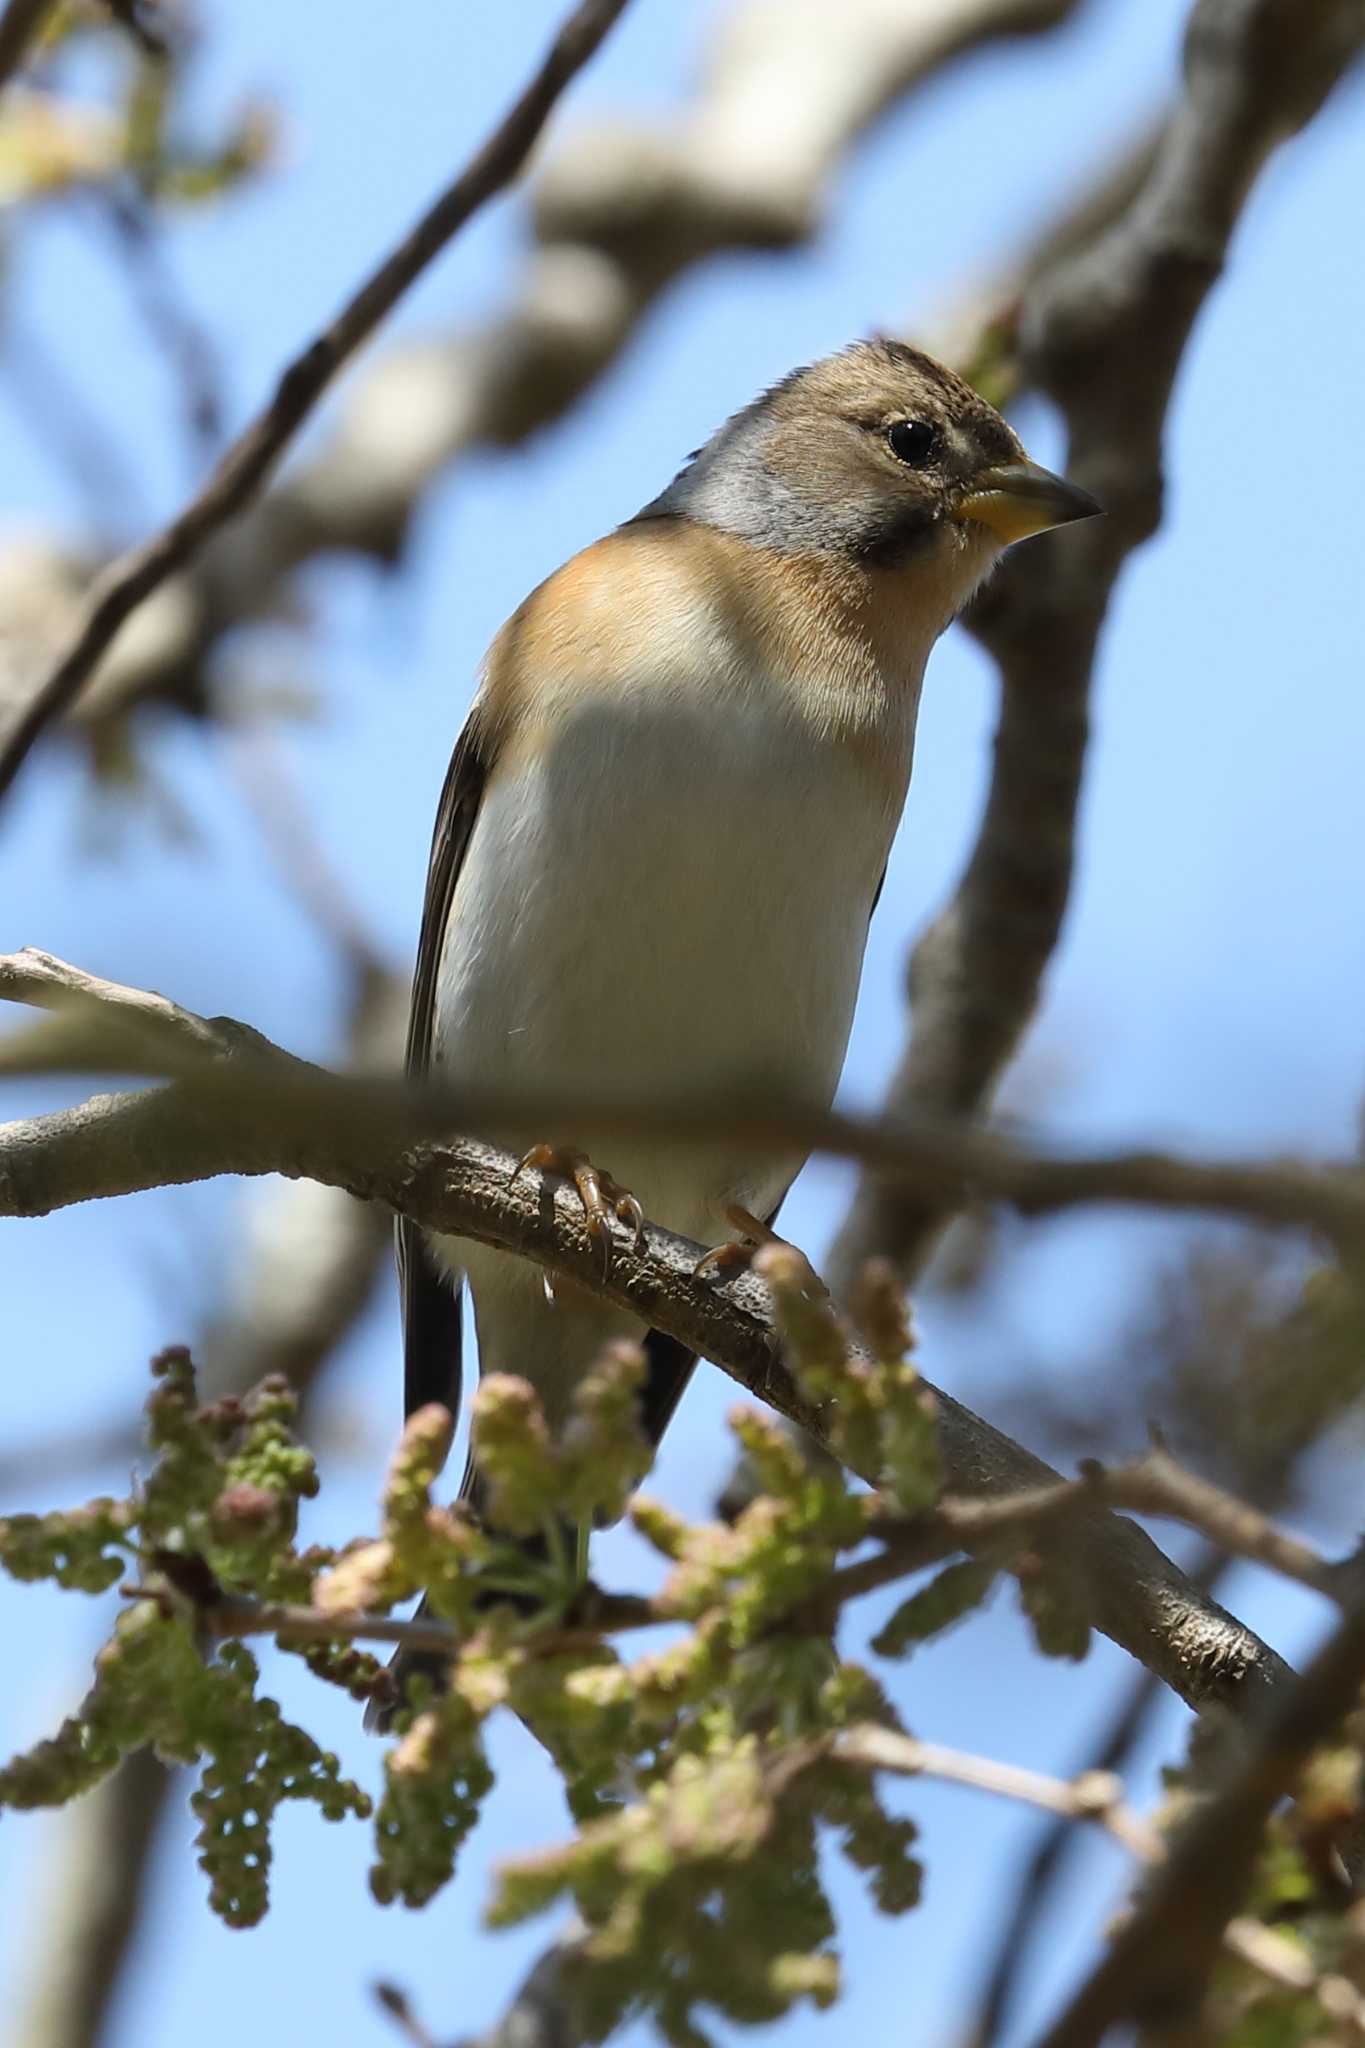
(1102, 333)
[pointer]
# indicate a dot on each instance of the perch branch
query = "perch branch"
(255, 1111)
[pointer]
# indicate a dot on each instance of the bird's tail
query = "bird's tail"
(403, 1667)
(433, 1665)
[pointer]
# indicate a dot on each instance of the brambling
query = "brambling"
(667, 819)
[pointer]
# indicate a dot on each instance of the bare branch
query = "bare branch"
(20, 25)
(1157, 1485)
(229, 1618)
(90, 1899)
(1098, 1796)
(1102, 333)
(249, 461)
(1161, 1957)
(1095, 1795)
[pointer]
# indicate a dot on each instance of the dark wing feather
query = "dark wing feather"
(430, 1305)
(669, 1366)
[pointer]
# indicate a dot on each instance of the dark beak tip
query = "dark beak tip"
(1084, 503)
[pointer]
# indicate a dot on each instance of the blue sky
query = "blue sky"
(1208, 990)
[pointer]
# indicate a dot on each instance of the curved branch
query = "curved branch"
(1101, 332)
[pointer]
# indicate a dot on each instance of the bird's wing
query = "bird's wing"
(430, 1305)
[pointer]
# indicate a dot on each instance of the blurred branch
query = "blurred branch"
(20, 25)
(1158, 1963)
(619, 212)
(309, 1262)
(255, 1111)
(54, 409)
(1246, 1359)
(90, 1902)
(244, 1105)
(293, 844)
(128, 582)
(1033, 1893)
(1102, 333)
(189, 351)
(140, 19)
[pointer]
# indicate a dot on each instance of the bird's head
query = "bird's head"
(880, 455)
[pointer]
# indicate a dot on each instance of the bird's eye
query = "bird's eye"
(912, 441)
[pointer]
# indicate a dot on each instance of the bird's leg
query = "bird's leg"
(600, 1193)
(737, 1252)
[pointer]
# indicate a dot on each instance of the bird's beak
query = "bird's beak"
(1020, 498)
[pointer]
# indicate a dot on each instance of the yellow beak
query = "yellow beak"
(1021, 498)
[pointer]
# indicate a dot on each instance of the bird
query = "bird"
(666, 824)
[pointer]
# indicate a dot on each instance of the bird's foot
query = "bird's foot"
(737, 1253)
(601, 1194)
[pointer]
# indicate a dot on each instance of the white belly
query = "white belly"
(661, 907)
(662, 904)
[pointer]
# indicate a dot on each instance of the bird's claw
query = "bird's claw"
(736, 1254)
(601, 1194)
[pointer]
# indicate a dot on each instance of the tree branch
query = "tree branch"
(255, 1112)
(20, 25)
(249, 461)
(1102, 333)
(1159, 1962)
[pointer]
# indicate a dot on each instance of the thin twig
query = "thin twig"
(228, 1618)
(20, 25)
(1154, 1485)
(249, 461)
(183, 339)
(1029, 1898)
(1095, 1795)
(396, 2003)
